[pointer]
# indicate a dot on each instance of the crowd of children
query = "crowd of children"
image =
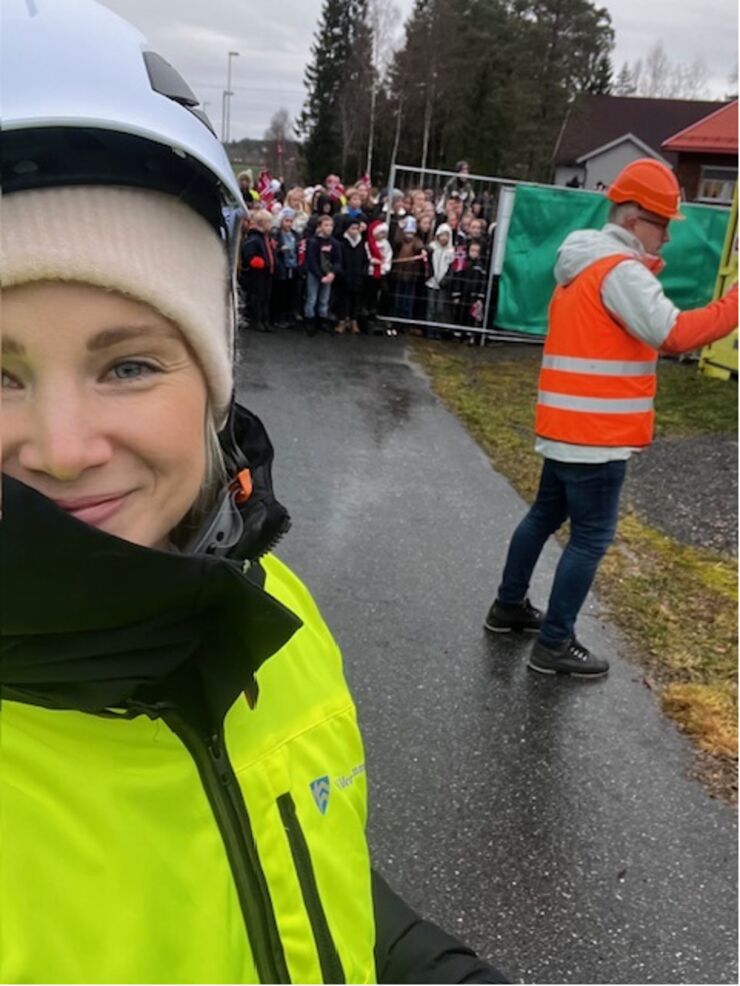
(358, 260)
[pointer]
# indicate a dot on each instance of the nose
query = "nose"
(63, 439)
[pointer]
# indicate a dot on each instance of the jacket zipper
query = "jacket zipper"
(331, 964)
(227, 803)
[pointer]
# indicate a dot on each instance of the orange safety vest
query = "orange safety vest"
(597, 382)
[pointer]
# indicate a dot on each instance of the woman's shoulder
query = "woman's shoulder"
(282, 583)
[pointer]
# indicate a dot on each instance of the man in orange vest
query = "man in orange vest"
(608, 321)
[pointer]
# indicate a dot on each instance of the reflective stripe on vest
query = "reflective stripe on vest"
(597, 381)
(599, 367)
(599, 405)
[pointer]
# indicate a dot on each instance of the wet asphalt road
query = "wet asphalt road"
(552, 824)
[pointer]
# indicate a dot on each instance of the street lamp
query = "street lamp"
(226, 111)
(224, 104)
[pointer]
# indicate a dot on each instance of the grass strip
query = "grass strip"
(676, 605)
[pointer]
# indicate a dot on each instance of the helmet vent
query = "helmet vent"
(167, 81)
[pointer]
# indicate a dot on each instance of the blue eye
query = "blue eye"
(131, 369)
(10, 382)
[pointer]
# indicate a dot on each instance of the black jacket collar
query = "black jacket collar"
(92, 622)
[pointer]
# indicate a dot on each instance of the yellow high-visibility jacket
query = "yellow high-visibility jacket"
(138, 850)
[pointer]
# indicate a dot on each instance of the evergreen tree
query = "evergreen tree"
(335, 77)
(624, 84)
(600, 83)
(490, 81)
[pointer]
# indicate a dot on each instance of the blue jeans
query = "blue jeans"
(589, 496)
(405, 293)
(316, 291)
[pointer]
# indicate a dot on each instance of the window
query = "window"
(717, 185)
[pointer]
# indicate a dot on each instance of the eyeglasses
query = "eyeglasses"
(654, 222)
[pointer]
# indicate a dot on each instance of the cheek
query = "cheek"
(171, 438)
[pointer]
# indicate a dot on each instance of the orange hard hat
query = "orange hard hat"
(651, 184)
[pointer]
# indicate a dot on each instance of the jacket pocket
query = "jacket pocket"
(331, 964)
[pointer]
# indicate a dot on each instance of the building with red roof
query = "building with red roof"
(602, 134)
(707, 156)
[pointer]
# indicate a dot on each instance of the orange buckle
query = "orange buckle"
(242, 484)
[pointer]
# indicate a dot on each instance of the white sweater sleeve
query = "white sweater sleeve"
(634, 296)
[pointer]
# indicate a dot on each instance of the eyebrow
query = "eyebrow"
(12, 348)
(102, 340)
(109, 337)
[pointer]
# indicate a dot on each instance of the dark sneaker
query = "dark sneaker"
(570, 658)
(504, 619)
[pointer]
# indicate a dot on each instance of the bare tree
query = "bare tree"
(657, 71)
(732, 83)
(276, 137)
(280, 125)
(658, 77)
(383, 20)
(690, 81)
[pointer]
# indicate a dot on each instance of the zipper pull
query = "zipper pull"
(217, 752)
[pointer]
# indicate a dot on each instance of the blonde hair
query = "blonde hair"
(262, 216)
(215, 478)
(296, 199)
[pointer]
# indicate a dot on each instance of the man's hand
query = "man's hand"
(327, 278)
(700, 326)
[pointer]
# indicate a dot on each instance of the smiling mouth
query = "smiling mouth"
(93, 510)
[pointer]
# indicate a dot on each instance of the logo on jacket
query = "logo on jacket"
(320, 791)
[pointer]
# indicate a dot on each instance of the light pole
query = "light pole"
(226, 120)
(224, 103)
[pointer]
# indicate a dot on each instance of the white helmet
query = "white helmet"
(86, 101)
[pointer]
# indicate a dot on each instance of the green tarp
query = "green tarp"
(542, 218)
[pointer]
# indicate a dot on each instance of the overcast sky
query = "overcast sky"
(273, 39)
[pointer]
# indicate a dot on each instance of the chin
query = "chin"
(139, 531)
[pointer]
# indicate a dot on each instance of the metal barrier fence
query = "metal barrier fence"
(444, 273)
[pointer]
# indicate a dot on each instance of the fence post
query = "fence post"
(391, 186)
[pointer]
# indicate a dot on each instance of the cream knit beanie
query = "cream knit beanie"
(144, 244)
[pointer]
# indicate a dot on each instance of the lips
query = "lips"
(94, 510)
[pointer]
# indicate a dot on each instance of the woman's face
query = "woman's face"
(103, 408)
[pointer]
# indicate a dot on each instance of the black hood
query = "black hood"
(91, 622)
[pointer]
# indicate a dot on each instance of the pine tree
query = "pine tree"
(624, 84)
(490, 81)
(335, 77)
(600, 83)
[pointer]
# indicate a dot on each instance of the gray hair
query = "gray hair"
(622, 211)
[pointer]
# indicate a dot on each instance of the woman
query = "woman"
(174, 717)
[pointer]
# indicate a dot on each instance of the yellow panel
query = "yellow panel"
(719, 359)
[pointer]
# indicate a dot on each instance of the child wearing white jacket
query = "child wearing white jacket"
(441, 254)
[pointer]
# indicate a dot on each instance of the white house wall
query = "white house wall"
(564, 173)
(605, 167)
